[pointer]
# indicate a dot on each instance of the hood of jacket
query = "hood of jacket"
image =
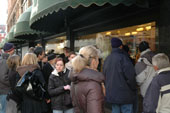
(87, 75)
(22, 69)
(148, 54)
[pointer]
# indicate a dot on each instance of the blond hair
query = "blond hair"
(29, 59)
(84, 58)
(13, 62)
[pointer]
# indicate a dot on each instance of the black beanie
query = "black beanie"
(51, 56)
(116, 42)
(143, 46)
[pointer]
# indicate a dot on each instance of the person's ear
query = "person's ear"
(121, 47)
(156, 68)
(92, 63)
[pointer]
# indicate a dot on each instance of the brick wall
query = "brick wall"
(15, 9)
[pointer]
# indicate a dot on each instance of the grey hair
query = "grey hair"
(161, 60)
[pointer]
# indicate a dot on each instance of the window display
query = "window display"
(131, 36)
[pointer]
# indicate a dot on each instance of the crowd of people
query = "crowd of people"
(72, 83)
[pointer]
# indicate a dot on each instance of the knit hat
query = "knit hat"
(51, 56)
(116, 42)
(8, 47)
(143, 46)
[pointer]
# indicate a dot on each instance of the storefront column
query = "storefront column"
(69, 34)
(21, 50)
(164, 27)
(16, 49)
(42, 42)
(70, 38)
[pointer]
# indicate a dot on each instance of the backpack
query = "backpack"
(145, 77)
(30, 85)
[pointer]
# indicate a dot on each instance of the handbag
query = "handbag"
(30, 85)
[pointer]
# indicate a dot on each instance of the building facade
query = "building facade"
(97, 24)
(2, 32)
(15, 9)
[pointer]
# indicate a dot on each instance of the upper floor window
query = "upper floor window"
(25, 5)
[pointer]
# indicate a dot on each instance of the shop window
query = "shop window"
(130, 36)
(24, 5)
(57, 44)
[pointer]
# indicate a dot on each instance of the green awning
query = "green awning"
(2, 43)
(22, 29)
(42, 8)
(10, 36)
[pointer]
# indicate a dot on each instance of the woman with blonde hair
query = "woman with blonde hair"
(30, 104)
(86, 90)
(13, 97)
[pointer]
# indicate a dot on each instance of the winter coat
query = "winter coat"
(69, 65)
(157, 98)
(120, 80)
(60, 98)
(13, 79)
(30, 105)
(4, 79)
(47, 70)
(144, 70)
(86, 91)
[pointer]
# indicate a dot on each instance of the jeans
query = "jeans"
(64, 111)
(122, 108)
(11, 106)
(3, 103)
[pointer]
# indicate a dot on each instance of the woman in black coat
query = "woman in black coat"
(13, 97)
(31, 104)
(59, 89)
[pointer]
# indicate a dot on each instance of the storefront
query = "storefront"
(57, 44)
(130, 36)
(84, 24)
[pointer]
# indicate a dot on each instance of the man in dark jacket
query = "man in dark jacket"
(120, 79)
(49, 67)
(4, 79)
(144, 68)
(39, 51)
(157, 98)
(66, 54)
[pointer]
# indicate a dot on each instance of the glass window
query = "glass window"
(57, 44)
(130, 36)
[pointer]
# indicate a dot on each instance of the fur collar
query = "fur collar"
(55, 72)
(164, 69)
(147, 50)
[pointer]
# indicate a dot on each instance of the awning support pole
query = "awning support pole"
(69, 34)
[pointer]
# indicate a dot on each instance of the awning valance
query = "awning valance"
(22, 29)
(2, 43)
(42, 8)
(10, 36)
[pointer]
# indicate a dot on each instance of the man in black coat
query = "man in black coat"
(120, 79)
(39, 51)
(49, 66)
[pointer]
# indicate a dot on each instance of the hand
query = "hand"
(48, 101)
(67, 87)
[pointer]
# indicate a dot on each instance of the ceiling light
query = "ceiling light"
(108, 33)
(148, 28)
(127, 34)
(134, 33)
(140, 29)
